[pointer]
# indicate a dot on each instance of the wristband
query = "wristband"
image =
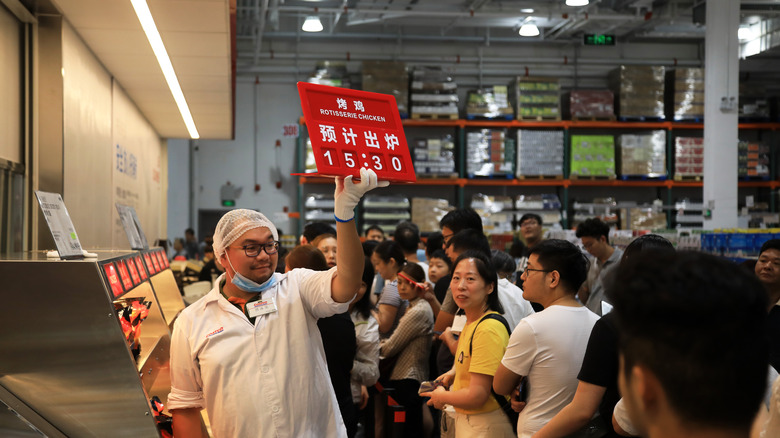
(343, 220)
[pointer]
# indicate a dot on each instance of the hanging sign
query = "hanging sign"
(60, 225)
(350, 129)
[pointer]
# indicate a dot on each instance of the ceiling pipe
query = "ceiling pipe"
(260, 19)
(394, 37)
(462, 71)
(399, 13)
(554, 60)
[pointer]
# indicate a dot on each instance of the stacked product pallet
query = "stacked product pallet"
(332, 73)
(643, 155)
(685, 97)
(433, 94)
(547, 206)
(490, 103)
(388, 77)
(385, 211)
(536, 98)
(589, 105)
(427, 212)
(639, 91)
(497, 213)
(319, 208)
(688, 158)
(489, 152)
(434, 157)
(753, 102)
(592, 156)
(753, 159)
(539, 153)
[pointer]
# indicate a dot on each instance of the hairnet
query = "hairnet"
(234, 224)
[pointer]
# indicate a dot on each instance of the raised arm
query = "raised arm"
(349, 257)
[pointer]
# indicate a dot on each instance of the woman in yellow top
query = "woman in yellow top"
(478, 414)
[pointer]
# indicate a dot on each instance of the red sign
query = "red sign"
(149, 264)
(124, 275)
(113, 279)
(163, 259)
(133, 271)
(350, 129)
(140, 265)
(156, 263)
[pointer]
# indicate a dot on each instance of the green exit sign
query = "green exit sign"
(592, 39)
(228, 203)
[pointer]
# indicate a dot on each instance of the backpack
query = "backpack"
(505, 405)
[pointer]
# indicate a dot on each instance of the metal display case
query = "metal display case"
(66, 367)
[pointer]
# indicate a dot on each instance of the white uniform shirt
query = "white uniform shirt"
(266, 380)
(515, 306)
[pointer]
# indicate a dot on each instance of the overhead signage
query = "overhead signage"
(591, 39)
(350, 129)
(60, 225)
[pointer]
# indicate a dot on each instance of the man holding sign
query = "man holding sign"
(250, 352)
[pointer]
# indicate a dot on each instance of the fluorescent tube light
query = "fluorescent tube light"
(153, 35)
(312, 24)
(577, 3)
(529, 30)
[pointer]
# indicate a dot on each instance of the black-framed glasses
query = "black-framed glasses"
(535, 270)
(253, 249)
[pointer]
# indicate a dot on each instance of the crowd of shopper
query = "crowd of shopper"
(448, 328)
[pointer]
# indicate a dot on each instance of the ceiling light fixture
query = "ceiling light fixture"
(577, 3)
(527, 10)
(529, 30)
(312, 24)
(745, 33)
(153, 35)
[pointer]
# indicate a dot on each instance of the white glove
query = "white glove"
(348, 194)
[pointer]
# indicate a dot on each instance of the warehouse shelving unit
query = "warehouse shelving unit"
(665, 187)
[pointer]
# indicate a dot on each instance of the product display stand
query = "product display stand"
(66, 366)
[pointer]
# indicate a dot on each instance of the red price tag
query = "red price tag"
(113, 279)
(155, 263)
(350, 129)
(133, 271)
(140, 265)
(124, 275)
(149, 264)
(164, 259)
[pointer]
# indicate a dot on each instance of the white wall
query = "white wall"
(100, 122)
(178, 188)
(217, 162)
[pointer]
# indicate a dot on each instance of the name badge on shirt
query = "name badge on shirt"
(458, 323)
(262, 307)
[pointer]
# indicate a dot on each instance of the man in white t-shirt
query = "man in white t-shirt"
(250, 352)
(546, 348)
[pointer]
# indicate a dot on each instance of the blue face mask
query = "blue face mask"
(248, 285)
